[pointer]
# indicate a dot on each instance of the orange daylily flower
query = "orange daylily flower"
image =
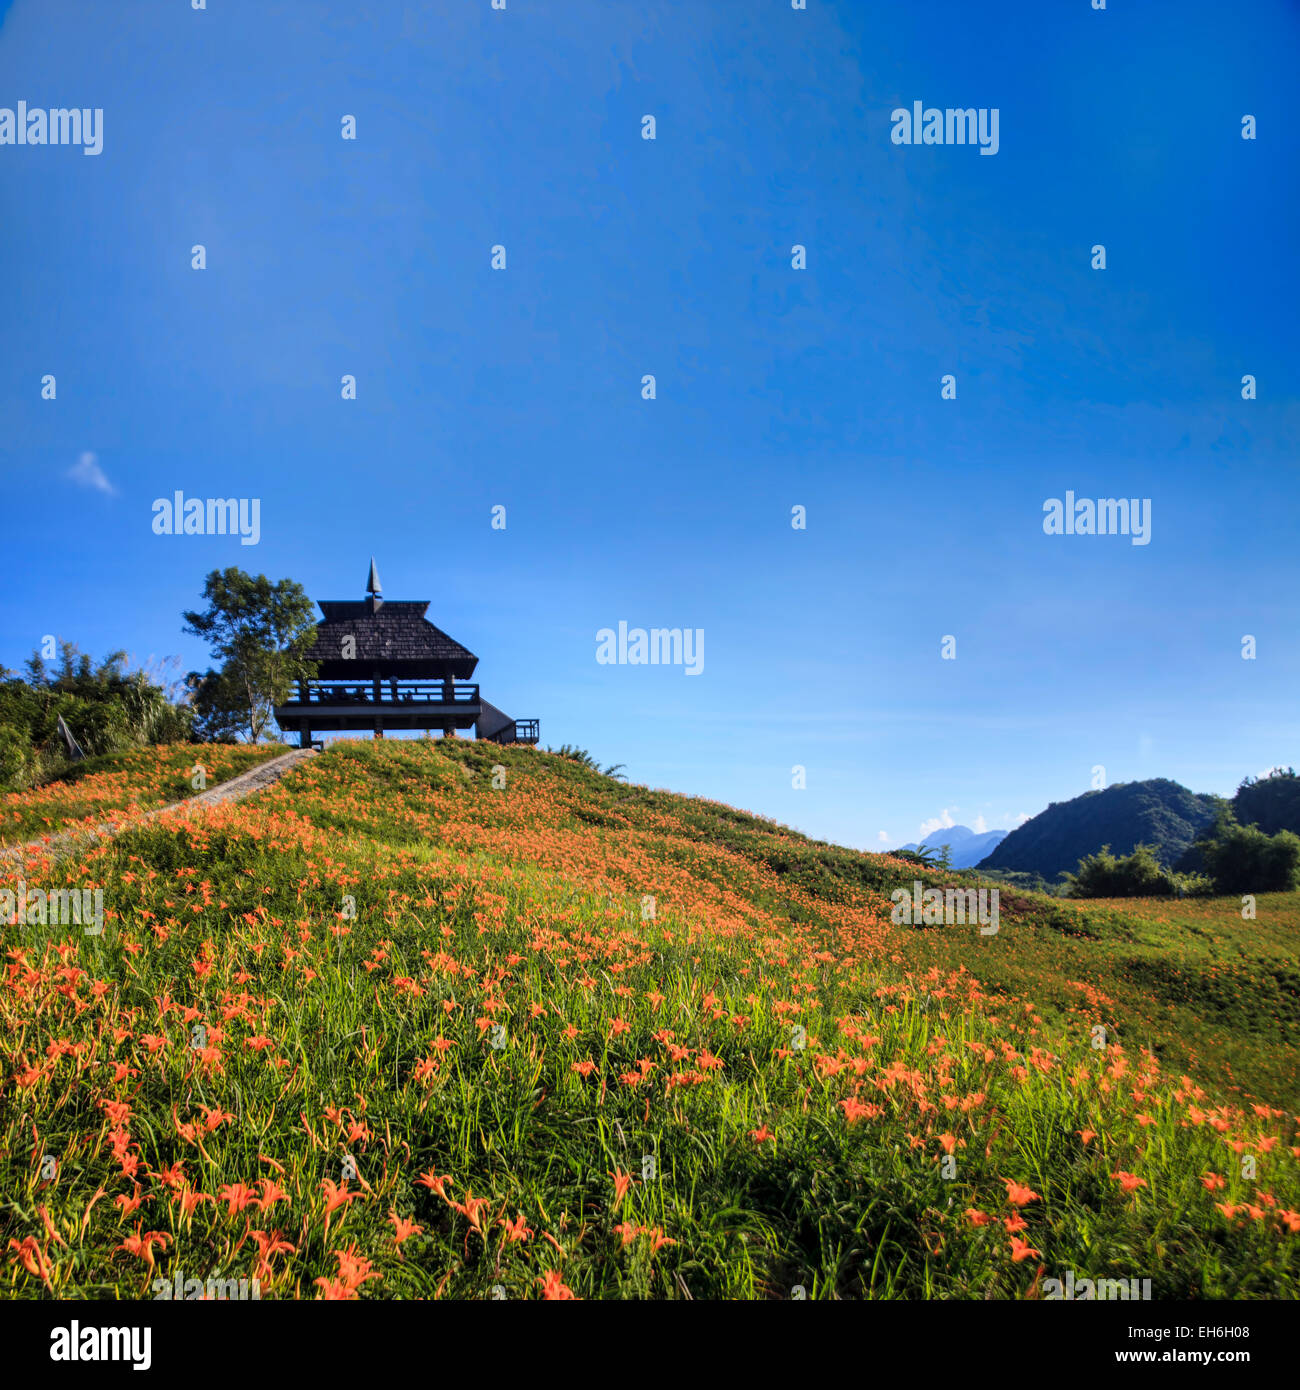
(471, 1209)
(516, 1229)
(554, 1287)
(622, 1181)
(32, 1258)
(402, 1228)
(1129, 1182)
(236, 1196)
(1019, 1195)
(142, 1245)
(435, 1184)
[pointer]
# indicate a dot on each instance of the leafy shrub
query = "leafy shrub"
(584, 759)
(13, 757)
(574, 754)
(1136, 875)
(1243, 859)
(1025, 881)
(107, 707)
(923, 855)
(1272, 802)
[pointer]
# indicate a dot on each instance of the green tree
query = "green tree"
(1243, 859)
(260, 632)
(1136, 875)
(220, 712)
(14, 754)
(585, 759)
(922, 854)
(105, 705)
(576, 755)
(1271, 802)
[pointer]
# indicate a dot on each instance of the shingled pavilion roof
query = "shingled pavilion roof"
(392, 638)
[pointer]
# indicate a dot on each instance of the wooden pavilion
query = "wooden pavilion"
(381, 664)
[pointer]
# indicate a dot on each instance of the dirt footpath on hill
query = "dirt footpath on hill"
(64, 842)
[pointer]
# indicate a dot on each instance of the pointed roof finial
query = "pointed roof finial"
(372, 584)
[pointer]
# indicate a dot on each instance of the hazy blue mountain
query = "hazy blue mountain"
(968, 848)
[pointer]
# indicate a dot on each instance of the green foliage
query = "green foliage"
(1136, 875)
(576, 755)
(1243, 859)
(1026, 882)
(106, 706)
(922, 855)
(1159, 813)
(1272, 802)
(260, 632)
(584, 759)
(14, 753)
(220, 711)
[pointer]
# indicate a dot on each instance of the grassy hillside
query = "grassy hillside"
(110, 785)
(404, 1027)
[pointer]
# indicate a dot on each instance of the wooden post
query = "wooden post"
(449, 698)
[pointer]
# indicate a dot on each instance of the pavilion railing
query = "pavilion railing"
(392, 694)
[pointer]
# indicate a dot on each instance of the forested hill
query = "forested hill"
(1157, 812)
(1272, 802)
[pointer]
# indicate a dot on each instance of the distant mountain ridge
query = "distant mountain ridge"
(968, 847)
(1157, 812)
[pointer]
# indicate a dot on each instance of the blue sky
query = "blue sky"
(775, 387)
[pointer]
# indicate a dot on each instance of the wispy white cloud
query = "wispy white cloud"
(86, 472)
(943, 821)
(882, 836)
